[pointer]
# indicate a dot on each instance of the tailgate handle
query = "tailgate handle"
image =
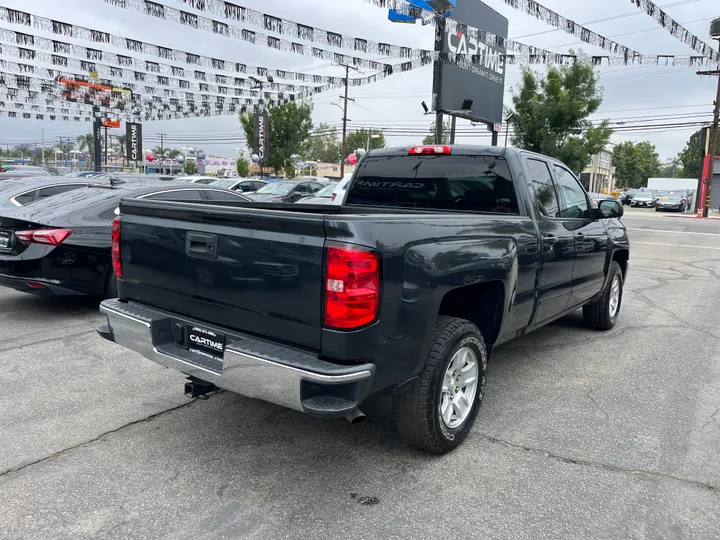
(201, 245)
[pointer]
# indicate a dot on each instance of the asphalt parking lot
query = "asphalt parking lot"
(581, 435)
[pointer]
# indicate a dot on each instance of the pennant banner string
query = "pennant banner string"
(619, 54)
(676, 30)
(133, 80)
(185, 61)
(531, 7)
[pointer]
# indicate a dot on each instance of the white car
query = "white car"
(197, 179)
(340, 191)
(243, 185)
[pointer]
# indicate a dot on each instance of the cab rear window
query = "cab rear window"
(462, 183)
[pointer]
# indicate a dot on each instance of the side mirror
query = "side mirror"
(610, 209)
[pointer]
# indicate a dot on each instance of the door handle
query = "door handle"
(550, 240)
(201, 245)
(580, 236)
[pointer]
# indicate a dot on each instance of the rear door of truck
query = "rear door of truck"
(251, 269)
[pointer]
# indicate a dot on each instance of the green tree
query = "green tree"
(690, 156)
(551, 113)
(243, 167)
(120, 146)
(190, 168)
(671, 168)
(289, 127)
(323, 145)
(369, 139)
(635, 163)
(430, 139)
(85, 142)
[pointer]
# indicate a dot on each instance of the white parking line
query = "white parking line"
(673, 245)
(675, 232)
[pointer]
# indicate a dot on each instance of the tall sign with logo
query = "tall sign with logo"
(472, 89)
(261, 137)
(133, 143)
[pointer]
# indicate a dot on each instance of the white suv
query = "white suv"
(340, 191)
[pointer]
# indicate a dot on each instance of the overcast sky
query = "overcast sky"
(630, 92)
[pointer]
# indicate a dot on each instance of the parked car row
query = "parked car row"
(661, 200)
(55, 231)
(55, 235)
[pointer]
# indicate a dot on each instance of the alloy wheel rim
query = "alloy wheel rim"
(459, 388)
(614, 296)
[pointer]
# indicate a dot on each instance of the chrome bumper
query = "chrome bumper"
(250, 367)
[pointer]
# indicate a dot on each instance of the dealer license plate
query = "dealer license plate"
(206, 342)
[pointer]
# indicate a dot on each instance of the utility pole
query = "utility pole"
(106, 147)
(162, 141)
(713, 132)
(345, 118)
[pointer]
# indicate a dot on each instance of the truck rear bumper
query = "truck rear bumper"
(251, 367)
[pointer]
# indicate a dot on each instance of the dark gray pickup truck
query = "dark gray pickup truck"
(438, 255)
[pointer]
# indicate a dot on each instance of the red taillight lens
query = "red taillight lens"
(425, 150)
(51, 237)
(333, 196)
(352, 284)
(116, 261)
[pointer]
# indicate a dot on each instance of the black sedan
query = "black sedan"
(20, 192)
(324, 196)
(62, 245)
(286, 191)
(672, 201)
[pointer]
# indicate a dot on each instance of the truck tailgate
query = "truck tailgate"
(254, 270)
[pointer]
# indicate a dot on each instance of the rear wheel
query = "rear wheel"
(604, 312)
(437, 412)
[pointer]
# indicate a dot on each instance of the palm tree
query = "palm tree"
(121, 145)
(86, 142)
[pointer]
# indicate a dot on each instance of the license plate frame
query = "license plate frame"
(5, 237)
(206, 342)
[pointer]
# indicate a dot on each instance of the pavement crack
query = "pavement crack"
(39, 342)
(713, 419)
(9, 473)
(602, 466)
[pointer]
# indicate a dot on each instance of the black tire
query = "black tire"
(111, 288)
(418, 410)
(597, 315)
(657, 209)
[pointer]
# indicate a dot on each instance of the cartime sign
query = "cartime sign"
(481, 81)
(261, 138)
(133, 142)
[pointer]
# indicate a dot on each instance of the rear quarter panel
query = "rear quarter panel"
(423, 258)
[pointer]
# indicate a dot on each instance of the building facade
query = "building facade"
(599, 174)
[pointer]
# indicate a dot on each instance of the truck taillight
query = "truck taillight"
(352, 287)
(116, 261)
(50, 237)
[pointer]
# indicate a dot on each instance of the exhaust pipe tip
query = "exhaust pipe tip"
(355, 416)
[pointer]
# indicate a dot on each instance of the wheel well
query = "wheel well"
(621, 257)
(481, 304)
